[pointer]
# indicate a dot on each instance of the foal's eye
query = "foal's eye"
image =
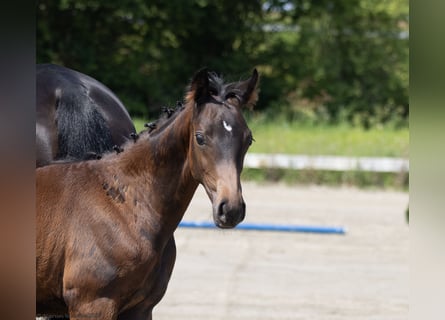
(200, 139)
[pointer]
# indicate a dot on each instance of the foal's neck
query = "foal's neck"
(157, 171)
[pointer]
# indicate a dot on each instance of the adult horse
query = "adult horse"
(76, 116)
(105, 246)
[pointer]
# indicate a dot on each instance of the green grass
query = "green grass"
(344, 140)
(361, 179)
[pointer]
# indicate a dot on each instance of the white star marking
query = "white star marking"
(227, 126)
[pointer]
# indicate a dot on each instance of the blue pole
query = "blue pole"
(267, 227)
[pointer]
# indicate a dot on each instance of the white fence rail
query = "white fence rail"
(335, 163)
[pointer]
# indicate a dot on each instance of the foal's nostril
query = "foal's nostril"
(222, 211)
(230, 216)
(243, 211)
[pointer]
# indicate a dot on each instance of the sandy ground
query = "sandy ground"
(236, 274)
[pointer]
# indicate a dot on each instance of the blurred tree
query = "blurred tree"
(343, 59)
(347, 57)
(146, 51)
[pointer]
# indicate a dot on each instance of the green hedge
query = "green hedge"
(335, 60)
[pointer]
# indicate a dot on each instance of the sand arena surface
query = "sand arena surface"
(236, 274)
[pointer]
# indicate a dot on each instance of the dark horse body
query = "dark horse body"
(105, 246)
(76, 116)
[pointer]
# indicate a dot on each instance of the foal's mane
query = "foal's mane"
(167, 117)
(216, 82)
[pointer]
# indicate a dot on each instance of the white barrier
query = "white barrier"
(334, 163)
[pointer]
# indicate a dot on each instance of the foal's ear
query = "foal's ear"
(249, 89)
(199, 87)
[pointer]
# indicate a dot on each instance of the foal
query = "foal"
(105, 246)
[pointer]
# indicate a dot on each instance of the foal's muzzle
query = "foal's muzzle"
(227, 215)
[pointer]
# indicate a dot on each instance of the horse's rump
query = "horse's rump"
(76, 115)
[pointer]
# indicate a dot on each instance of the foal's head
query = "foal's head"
(219, 141)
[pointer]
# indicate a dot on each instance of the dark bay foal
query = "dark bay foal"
(105, 246)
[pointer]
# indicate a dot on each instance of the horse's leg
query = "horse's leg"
(136, 313)
(143, 311)
(98, 309)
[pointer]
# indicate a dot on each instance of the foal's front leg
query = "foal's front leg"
(143, 311)
(97, 309)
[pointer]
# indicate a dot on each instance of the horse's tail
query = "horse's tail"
(81, 127)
